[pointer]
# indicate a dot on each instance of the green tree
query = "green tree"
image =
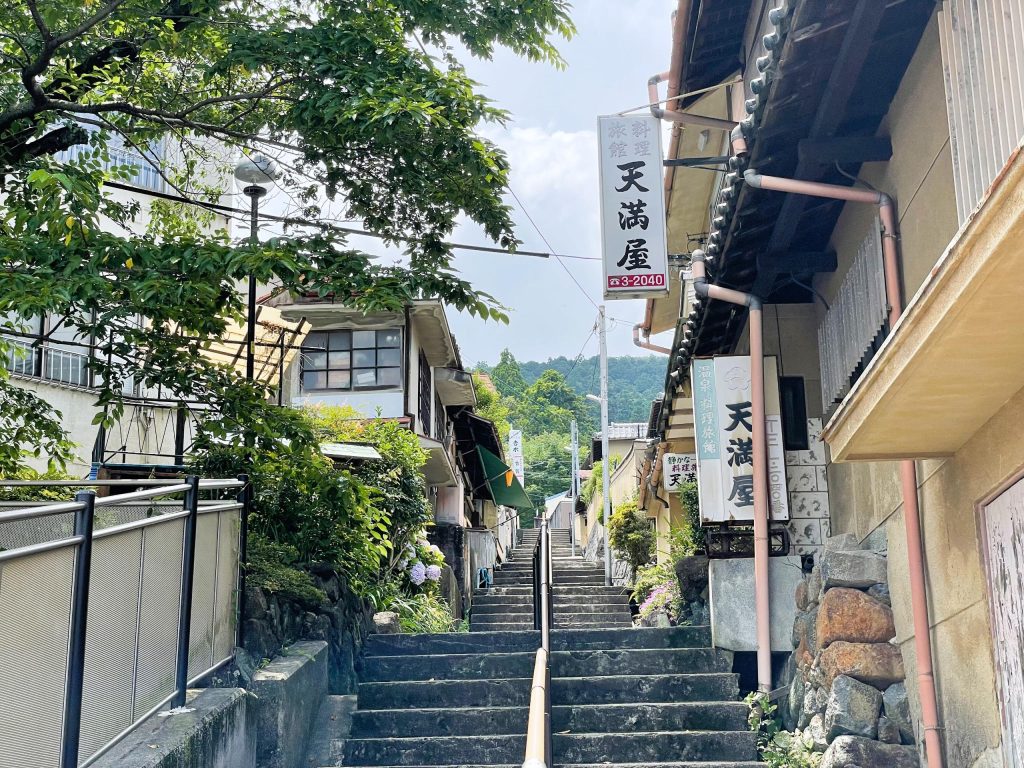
(506, 375)
(340, 92)
(492, 406)
(547, 465)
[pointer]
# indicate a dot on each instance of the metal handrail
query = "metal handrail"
(538, 727)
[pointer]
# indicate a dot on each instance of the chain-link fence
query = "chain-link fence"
(109, 608)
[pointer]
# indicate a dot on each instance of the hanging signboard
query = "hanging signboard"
(635, 250)
(515, 454)
(677, 469)
(724, 437)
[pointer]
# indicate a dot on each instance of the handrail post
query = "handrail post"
(84, 518)
(245, 499)
(188, 562)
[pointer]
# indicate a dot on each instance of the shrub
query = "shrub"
(631, 535)
(778, 748)
(424, 612)
(689, 497)
(657, 587)
(275, 568)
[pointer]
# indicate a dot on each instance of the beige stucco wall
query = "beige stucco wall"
(865, 497)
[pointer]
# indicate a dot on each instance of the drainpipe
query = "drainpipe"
(908, 469)
(761, 598)
(645, 343)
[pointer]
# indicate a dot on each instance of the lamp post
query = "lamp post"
(256, 173)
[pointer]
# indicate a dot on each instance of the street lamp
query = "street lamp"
(256, 173)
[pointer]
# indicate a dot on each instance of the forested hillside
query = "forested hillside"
(633, 382)
(543, 398)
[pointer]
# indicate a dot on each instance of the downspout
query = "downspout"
(908, 468)
(645, 343)
(757, 418)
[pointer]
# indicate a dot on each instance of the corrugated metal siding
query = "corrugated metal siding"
(983, 64)
(846, 337)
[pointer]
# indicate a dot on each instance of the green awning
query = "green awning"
(497, 473)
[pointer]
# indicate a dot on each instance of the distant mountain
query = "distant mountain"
(633, 382)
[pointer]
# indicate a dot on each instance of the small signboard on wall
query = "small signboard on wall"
(724, 437)
(677, 469)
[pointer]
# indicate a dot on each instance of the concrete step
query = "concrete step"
(598, 622)
(510, 590)
(468, 666)
(490, 612)
(452, 642)
(502, 626)
(450, 721)
(648, 661)
(420, 694)
(561, 640)
(701, 764)
(583, 600)
(485, 598)
(628, 689)
(435, 750)
(574, 608)
(653, 746)
(627, 718)
(563, 664)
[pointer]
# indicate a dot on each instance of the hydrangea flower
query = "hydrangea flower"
(434, 572)
(418, 573)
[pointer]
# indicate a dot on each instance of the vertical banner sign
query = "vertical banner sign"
(677, 469)
(635, 250)
(724, 437)
(515, 453)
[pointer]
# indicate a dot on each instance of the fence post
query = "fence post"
(188, 563)
(245, 499)
(79, 614)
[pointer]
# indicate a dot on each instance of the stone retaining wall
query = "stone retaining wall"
(343, 620)
(847, 692)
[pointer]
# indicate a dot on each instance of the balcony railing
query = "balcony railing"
(48, 361)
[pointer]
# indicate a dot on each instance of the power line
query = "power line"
(242, 215)
(557, 257)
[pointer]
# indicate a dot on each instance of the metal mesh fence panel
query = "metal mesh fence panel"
(158, 617)
(227, 584)
(24, 533)
(35, 616)
(200, 656)
(110, 641)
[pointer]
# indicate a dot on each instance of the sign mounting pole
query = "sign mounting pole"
(605, 458)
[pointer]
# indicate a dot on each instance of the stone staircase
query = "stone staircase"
(580, 597)
(620, 696)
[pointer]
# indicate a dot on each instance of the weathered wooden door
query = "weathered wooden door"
(1003, 521)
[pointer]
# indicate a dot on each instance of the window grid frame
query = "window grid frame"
(352, 368)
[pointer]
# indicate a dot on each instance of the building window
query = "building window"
(794, 413)
(426, 394)
(352, 360)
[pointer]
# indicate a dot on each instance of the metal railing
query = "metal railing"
(109, 609)
(538, 729)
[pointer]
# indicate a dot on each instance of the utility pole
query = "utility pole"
(574, 485)
(605, 458)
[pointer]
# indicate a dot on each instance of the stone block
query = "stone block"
(858, 569)
(386, 623)
(731, 600)
(851, 615)
(897, 709)
(815, 731)
(877, 664)
(692, 573)
(288, 693)
(881, 593)
(814, 586)
(852, 709)
(854, 752)
(801, 595)
(843, 542)
(888, 731)
(794, 701)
